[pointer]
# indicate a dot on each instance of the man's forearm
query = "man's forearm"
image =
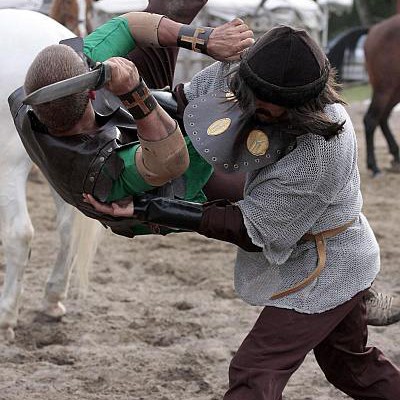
(220, 220)
(155, 30)
(163, 154)
(225, 42)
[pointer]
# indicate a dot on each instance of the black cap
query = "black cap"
(285, 67)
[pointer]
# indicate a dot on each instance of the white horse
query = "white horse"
(23, 34)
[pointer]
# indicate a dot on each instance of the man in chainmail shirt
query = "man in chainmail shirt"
(307, 253)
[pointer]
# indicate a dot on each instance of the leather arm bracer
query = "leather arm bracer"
(195, 39)
(173, 213)
(218, 220)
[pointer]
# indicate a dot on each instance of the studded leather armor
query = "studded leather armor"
(76, 164)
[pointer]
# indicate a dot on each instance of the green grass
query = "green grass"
(355, 93)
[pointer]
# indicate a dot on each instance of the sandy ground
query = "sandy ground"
(161, 320)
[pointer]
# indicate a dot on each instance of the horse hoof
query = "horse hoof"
(394, 168)
(376, 174)
(54, 310)
(7, 334)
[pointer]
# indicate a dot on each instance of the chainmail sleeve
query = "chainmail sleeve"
(212, 78)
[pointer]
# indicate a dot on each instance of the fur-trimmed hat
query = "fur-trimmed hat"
(285, 67)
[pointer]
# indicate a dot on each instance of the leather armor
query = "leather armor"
(73, 165)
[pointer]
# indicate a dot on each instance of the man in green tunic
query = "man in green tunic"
(70, 123)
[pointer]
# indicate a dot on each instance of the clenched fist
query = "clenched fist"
(228, 41)
(124, 76)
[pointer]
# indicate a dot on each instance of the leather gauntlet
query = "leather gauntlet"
(219, 219)
(139, 101)
(173, 213)
(194, 39)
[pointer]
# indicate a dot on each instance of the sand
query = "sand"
(161, 320)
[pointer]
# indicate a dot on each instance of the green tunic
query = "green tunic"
(114, 39)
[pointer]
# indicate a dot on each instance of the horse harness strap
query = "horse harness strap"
(320, 241)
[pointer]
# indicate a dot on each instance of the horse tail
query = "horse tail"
(86, 235)
(338, 46)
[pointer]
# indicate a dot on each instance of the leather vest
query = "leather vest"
(73, 164)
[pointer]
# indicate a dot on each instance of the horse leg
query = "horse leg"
(88, 16)
(371, 121)
(58, 280)
(17, 233)
(80, 237)
(393, 146)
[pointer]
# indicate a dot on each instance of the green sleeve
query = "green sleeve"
(131, 182)
(197, 175)
(111, 39)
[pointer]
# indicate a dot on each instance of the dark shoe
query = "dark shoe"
(382, 309)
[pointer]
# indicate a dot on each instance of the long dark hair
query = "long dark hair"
(307, 118)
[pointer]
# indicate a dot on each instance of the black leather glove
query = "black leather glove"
(173, 213)
(219, 219)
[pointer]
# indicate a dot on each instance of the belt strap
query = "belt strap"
(320, 241)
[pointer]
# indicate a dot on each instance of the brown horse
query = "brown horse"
(66, 12)
(382, 54)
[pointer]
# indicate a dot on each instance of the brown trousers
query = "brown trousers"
(280, 340)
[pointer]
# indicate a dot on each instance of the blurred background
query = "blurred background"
(328, 21)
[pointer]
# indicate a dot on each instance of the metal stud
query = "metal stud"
(257, 160)
(236, 166)
(91, 179)
(226, 165)
(214, 158)
(206, 150)
(101, 159)
(194, 133)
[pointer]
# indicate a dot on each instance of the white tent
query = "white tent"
(304, 13)
(335, 6)
(263, 15)
(259, 15)
(23, 4)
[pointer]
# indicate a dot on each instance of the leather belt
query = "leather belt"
(320, 241)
